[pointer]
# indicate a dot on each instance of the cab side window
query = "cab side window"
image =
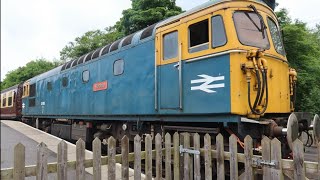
(219, 37)
(170, 45)
(199, 36)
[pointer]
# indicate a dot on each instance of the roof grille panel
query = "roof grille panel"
(105, 49)
(115, 45)
(96, 53)
(147, 32)
(127, 40)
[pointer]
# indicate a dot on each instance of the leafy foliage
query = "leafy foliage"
(90, 41)
(26, 72)
(303, 53)
(142, 14)
(145, 13)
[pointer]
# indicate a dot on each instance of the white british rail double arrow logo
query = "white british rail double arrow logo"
(206, 85)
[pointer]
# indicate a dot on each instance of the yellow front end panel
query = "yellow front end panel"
(278, 86)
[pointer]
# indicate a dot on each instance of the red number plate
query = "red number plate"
(99, 86)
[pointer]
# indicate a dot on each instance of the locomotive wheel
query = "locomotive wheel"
(316, 128)
(292, 129)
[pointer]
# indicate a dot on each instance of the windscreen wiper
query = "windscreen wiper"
(262, 24)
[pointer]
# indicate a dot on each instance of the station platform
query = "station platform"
(13, 132)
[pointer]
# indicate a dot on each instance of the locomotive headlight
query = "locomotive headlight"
(124, 127)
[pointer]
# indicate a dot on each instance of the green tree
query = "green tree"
(145, 13)
(303, 52)
(142, 14)
(90, 41)
(26, 72)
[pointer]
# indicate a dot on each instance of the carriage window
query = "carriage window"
(32, 90)
(49, 86)
(170, 45)
(199, 36)
(118, 67)
(4, 100)
(276, 37)
(218, 32)
(85, 76)
(250, 30)
(65, 81)
(10, 99)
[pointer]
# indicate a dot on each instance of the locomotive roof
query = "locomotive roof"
(135, 38)
(141, 36)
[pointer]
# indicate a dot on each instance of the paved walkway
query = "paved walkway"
(52, 143)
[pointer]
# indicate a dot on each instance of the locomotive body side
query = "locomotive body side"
(127, 93)
(220, 67)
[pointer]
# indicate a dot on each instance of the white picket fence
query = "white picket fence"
(182, 151)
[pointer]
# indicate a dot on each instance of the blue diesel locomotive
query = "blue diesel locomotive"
(218, 68)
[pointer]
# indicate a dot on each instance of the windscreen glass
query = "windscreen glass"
(250, 29)
(276, 37)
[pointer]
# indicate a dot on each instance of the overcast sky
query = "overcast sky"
(41, 28)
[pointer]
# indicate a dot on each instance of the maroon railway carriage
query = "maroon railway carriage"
(11, 102)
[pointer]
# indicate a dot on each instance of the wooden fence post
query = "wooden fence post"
(266, 155)
(42, 161)
(248, 154)
(62, 160)
(298, 160)
(125, 160)
(207, 157)
(137, 157)
(186, 144)
(158, 145)
(168, 156)
(176, 158)
(96, 145)
(111, 158)
(80, 156)
(318, 147)
(220, 157)
(148, 158)
(19, 162)
(196, 142)
(276, 156)
(233, 148)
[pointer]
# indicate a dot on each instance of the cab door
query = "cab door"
(169, 70)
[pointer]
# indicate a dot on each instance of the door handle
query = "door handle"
(177, 65)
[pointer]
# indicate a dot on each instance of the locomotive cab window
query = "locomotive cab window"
(170, 45)
(276, 37)
(118, 67)
(199, 36)
(85, 76)
(219, 37)
(251, 29)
